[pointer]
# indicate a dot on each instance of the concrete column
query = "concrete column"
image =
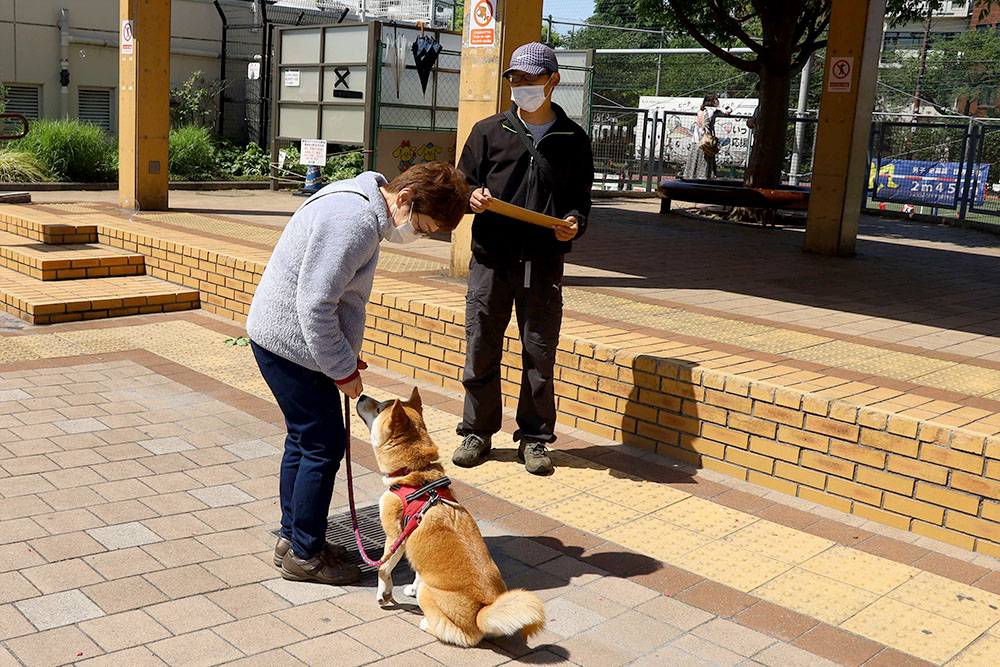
(144, 104)
(483, 92)
(840, 163)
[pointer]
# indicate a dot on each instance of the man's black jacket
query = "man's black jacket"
(495, 157)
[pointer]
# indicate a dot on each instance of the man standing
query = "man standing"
(536, 157)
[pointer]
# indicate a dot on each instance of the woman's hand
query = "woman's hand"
(352, 389)
(564, 233)
(480, 200)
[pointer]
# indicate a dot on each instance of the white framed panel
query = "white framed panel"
(300, 46)
(297, 121)
(306, 91)
(346, 44)
(343, 124)
(356, 89)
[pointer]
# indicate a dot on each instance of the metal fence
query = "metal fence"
(947, 168)
(635, 148)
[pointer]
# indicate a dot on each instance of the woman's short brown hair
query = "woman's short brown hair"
(437, 189)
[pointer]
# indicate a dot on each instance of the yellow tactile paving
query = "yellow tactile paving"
(743, 570)
(826, 599)
(778, 542)
(983, 651)
(705, 517)
(859, 569)
(950, 599)
(589, 513)
(204, 223)
(911, 630)
(529, 493)
(640, 495)
(658, 539)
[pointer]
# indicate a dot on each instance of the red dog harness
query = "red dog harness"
(417, 500)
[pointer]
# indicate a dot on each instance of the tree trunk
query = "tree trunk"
(771, 132)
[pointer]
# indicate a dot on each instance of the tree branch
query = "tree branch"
(720, 53)
(733, 27)
(804, 54)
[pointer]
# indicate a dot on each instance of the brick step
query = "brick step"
(66, 262)
(45, 227)
(48, 302)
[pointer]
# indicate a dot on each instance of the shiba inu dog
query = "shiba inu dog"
(457, 584)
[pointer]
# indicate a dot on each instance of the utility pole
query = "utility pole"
(923, 62)
(659, 63)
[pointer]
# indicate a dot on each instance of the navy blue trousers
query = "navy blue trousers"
(314, 447)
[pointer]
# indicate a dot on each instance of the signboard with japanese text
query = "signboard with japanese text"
(483, 30)
(313, 152)
(127, 38)
(675, 128)
(928, 183)
(841, 71)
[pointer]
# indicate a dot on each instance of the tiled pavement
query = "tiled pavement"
(137, 483)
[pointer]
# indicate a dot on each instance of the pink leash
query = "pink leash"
(350, 496)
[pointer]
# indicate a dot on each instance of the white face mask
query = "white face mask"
(404, 233)
(529, 98)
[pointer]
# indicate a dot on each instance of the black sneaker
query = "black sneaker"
(534, 456)
(474, 450)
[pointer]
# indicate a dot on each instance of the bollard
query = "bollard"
(314, 180)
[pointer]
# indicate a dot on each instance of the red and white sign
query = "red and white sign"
(841, 73)
(313, 152)
(483, 30)
(127, 39)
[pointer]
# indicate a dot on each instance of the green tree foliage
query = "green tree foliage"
(195, 102)
(958, 73)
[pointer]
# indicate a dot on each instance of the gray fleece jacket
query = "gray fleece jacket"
(310, 305)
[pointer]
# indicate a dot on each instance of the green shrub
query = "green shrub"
(19, 167)
(193, 155)
(71, 150)
(246, 162)
(195, 101)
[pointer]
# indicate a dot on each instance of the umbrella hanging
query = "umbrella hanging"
(396, 48)
(425, 53)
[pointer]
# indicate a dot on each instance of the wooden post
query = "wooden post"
(143, 102)
(840, 163)
(483, 92)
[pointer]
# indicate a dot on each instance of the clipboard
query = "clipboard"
(525, 215)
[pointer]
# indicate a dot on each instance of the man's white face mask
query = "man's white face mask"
(529, 98)
(404, 233)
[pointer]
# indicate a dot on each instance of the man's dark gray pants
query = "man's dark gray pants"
(493, 291)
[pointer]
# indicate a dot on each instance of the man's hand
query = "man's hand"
(352, 389)
(480, 199)
(567, 233)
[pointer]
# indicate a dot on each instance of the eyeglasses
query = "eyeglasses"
(527, 78)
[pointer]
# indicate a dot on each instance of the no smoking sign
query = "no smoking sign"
(841, 73)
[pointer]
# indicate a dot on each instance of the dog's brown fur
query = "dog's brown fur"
(458, 586)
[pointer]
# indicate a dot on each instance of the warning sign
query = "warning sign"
(841, 72)
(128, 39)
(313, 152)
(483, 30)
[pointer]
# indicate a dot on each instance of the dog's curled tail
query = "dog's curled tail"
(514, 611)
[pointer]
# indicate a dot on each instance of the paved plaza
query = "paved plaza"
(139, 458)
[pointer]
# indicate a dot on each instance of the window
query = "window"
(25, 100)
(983, 26)
(94, 106)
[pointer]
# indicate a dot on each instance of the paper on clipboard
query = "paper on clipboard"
(525, 215)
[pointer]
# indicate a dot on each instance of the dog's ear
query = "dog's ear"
(398, 419)
(414, 401)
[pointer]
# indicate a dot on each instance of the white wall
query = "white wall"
(30, 28)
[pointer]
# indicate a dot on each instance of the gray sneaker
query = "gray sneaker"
(323, 568)
(283, 545)
(474, 450)
(535, 458)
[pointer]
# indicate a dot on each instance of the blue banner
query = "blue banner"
(931, 183)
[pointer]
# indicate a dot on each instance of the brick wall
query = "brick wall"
(225, 284)
(911, 474)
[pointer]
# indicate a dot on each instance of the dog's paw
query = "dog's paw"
(424, 625)
(410, 591)
(385, 599)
